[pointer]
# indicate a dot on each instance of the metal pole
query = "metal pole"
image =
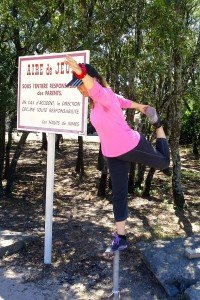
(116, 293)
(49, 198)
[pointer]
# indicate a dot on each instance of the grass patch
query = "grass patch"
(188, 174)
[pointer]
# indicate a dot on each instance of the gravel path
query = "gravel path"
(136, 283)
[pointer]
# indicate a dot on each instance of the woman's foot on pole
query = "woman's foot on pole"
(119, 243)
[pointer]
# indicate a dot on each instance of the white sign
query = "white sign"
(44, 102)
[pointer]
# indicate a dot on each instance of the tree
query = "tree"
(22, 30)
(167, 52)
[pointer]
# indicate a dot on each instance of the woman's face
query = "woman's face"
(82, 89)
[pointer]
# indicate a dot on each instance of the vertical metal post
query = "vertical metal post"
(49, 198)
(116, 293)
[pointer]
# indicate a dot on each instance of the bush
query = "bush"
(190, 129)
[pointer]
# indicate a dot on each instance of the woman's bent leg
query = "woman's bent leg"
(146, 154)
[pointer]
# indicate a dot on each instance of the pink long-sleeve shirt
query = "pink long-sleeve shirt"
(107, 117)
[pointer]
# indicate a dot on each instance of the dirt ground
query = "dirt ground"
(83, 226)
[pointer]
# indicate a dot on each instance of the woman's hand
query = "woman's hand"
(140, 107)
(72, 64)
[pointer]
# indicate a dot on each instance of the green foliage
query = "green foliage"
(131, 43)
(147, 48)
(191, 118)
(190, 175)
(187, 128)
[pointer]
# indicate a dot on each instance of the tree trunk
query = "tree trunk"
(79, 163)
(100, 162)
(103, 181)
(2, 145)
(44, 141)
(195, 135)
(12, 125)
(12, 168)
(131, 179)
(176, 177)
(195, 150)
(176, 116)
(57, 142)
(148, 182)
(102, 166)
(140, 175)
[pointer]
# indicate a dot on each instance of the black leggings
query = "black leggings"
(119, 167)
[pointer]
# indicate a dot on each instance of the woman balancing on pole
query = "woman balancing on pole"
(119, 143)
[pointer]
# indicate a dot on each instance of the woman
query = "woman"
(119, 143)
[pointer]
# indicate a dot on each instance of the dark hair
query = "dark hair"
(102, 81)
(95, 74)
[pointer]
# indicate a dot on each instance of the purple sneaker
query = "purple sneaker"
(154, 118)
(117, 244)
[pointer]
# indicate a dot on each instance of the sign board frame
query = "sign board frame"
(44, 102)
